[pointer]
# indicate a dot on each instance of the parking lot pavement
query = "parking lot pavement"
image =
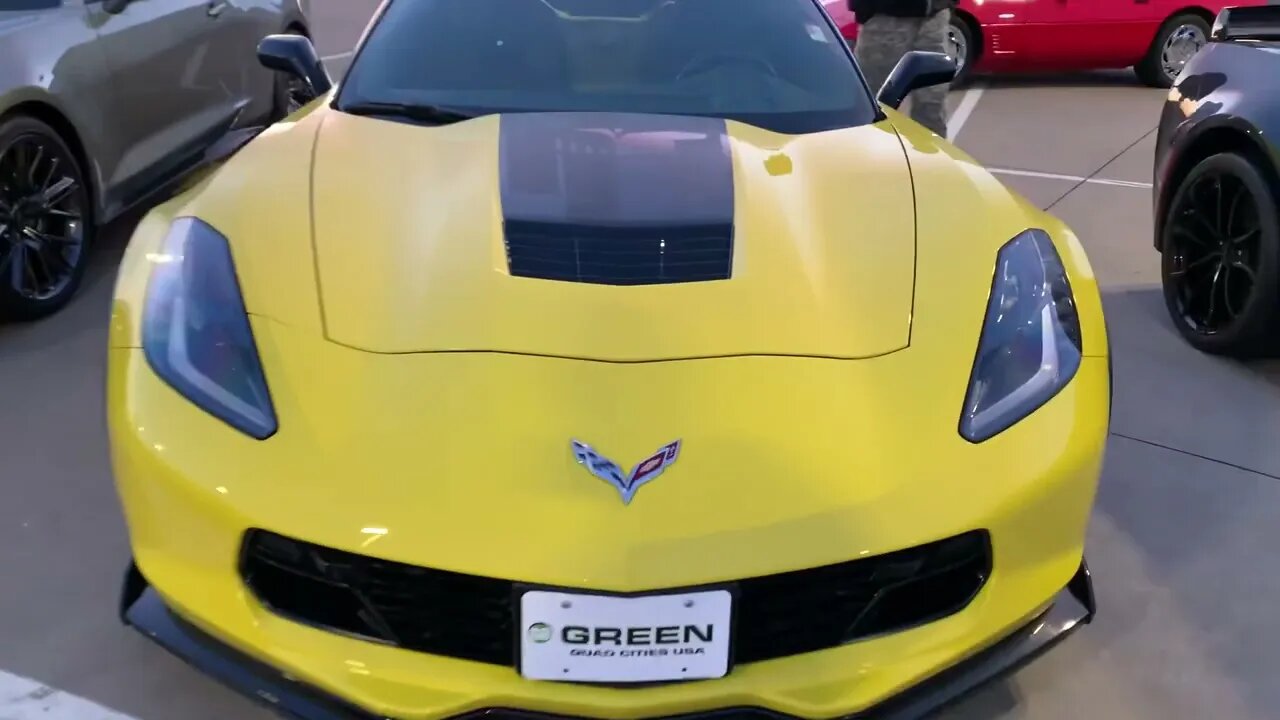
(1180, 545)
(1072, 125)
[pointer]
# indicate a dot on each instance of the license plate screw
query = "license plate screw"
(688, 603)
(566, 604)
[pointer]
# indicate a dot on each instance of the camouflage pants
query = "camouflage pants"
(882, 41)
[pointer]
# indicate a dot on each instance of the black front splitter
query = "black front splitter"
(143, 609)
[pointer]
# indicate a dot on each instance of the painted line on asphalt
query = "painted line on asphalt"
(25, 699)
(1071, 178)
(964, 110)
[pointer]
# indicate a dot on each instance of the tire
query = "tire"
(284, 98)
(1220, 276)
(46, 211)
(962, 33)
(1171, 49)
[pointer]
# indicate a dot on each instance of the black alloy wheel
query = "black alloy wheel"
(46, 222)
(1221, 258)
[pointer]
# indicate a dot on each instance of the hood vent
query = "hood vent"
(633, 255)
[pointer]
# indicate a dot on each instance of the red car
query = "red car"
(1155, 37)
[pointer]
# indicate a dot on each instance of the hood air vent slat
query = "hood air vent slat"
(605, 255)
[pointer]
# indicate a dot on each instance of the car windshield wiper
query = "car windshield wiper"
(433, 114)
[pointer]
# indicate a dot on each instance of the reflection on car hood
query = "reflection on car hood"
(416, 248)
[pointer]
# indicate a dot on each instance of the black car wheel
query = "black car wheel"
(46, 223)
(1221, 258)
(1179, 39)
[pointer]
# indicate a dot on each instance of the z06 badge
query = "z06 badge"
(626, 483)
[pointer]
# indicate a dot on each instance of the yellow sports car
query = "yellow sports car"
(604, 359)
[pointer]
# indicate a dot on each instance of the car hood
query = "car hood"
(417, 230)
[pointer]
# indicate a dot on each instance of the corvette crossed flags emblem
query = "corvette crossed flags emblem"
(626, 483)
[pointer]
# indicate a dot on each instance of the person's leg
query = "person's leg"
(882, 41)
(929, 105)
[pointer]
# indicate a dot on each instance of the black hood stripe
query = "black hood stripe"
(615, 170)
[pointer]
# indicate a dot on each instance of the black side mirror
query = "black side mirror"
(916, 69)
(115, 7)
(295, 55)
(1246, 23)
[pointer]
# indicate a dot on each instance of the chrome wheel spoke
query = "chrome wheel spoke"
(1213, 295)
(58, 192)
(35, 165)
(1226, 294)
(43, 238)
(64, 214)
(53, 171)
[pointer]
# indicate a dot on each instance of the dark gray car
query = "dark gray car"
(105, 102)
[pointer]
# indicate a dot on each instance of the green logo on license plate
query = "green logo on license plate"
(539, 632)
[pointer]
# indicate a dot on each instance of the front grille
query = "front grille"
(619, 255)
(443, 613)
(470, 617)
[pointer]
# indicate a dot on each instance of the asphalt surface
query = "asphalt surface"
(1181, 542)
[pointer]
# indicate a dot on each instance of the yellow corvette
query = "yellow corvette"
(604, 359)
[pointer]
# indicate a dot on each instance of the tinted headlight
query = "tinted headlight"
(1031, 342)
(196, 333)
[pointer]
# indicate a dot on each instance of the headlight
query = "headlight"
(196, 334)
(1030, 346)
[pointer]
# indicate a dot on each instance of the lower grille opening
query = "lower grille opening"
(431, 611)
(472, 617)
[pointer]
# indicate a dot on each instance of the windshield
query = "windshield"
(777, 64)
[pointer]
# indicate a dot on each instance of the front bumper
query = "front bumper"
(142, 608)
(191, 489)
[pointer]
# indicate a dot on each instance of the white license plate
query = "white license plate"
(610, 639)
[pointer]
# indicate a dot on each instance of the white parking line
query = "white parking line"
(964, 110)
(25, 699)
(1071, 178)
